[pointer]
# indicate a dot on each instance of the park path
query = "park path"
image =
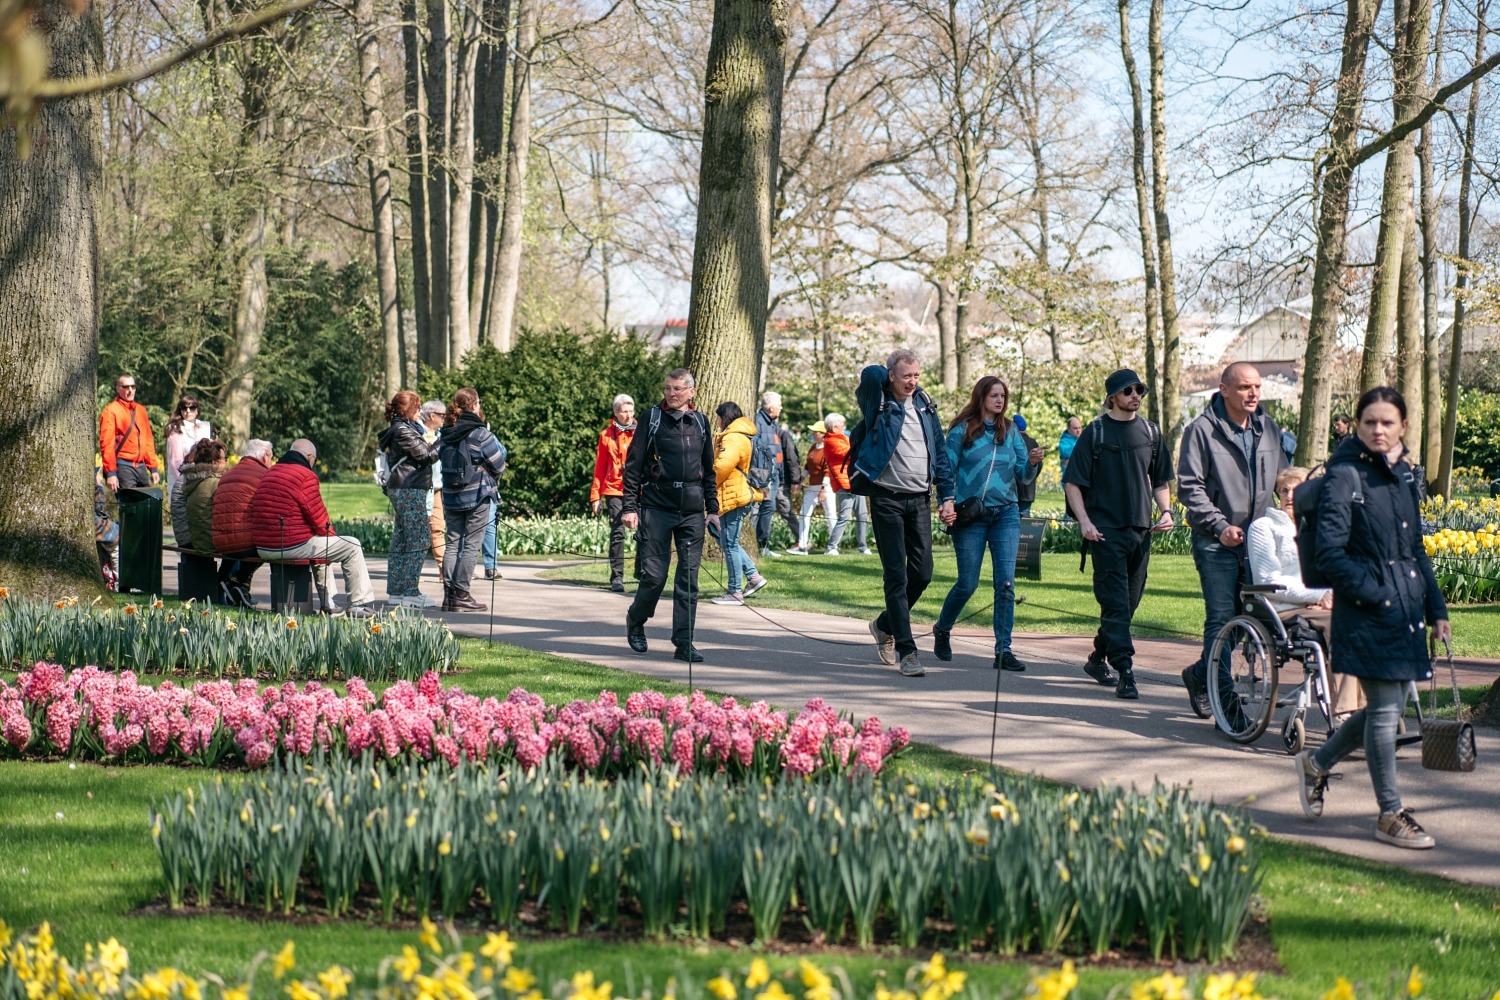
(1052, 719)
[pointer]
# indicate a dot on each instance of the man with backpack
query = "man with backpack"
(670, 495)
(765, 468)
(1227, 468)
(1117, 468)
(896, 456)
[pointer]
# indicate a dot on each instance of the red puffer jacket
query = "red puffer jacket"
(231, 524)
(289, 491)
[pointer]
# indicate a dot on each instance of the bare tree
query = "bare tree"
(461, 205)
(507, 285)
(1171, 335)
(378, 161)
(1152, 303)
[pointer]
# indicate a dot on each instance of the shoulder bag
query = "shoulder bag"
(1448, 744)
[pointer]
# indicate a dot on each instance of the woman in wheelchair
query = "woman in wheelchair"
(1271, 544)
(1369, 544)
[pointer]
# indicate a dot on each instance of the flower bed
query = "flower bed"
(91, 714)
(155, 637)
(1011, 868)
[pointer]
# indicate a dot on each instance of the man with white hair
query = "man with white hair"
(608, 487)
(768, 441)
(231, 520)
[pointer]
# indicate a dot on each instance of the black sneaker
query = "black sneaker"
(688, 654)
(1099, 670)
(635, 635)
(1126, 686)
(1197, 694)
(617, 586)
(1008, 661)
(942, 645)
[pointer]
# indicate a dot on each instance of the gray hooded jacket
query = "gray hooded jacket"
(1213, 479)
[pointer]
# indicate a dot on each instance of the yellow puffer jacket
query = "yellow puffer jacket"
(731, 463)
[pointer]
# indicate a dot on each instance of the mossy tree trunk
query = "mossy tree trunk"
(49, 326)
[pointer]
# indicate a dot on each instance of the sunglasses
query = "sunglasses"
(193, 408)
(1133, 390)
(130, 385)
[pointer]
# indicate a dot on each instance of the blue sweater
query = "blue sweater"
(1005, 463)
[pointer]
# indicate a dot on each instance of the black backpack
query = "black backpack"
(1306, 500)
(763, 451)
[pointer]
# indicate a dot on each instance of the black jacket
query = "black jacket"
(1026, 492)
(410, 457)
(673, 468)
(1370, 546)
(792, 472)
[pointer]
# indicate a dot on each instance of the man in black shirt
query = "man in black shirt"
(1120, 462)
(669, 483)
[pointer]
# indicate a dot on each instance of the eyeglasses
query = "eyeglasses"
(1133, 390)
(669, 390)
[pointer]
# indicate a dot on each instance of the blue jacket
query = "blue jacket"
(472, 459)
(768, 435)
(989, 468)
(882, 429)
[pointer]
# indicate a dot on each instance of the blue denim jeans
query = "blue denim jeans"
(1221, 571)
(999, 530)
(488, 549)
(736, 559)
(1373, 728)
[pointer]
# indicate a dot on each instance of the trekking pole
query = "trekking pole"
(692, 608)
(495, 516)
(327, 541)
(995, 711)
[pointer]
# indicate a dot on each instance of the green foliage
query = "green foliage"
(1477, 439)
(1061, 869)
(547, 400)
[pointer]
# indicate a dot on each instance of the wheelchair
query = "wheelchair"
(1256, 644)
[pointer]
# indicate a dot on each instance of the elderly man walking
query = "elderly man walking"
(1226, 478)
(608, 488)
(899, 456)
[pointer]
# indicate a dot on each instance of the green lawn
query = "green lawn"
(346, 500)
(74, 848)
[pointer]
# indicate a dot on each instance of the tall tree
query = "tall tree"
(49, 322)
(489, 162)
(1427, 204)
(730, 296)
(417, 168)
(507, 284)
(1171, 335)
(378, 164)
(438, 87)
(1143, 205)
(461, 154)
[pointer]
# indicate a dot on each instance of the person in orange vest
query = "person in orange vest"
(608, 488)
(126, 446)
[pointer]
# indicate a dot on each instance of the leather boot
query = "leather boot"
(448, 604)
(464, 601)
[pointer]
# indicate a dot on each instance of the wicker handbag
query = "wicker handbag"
(1447, 744)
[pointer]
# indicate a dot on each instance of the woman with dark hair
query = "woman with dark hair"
(1385, 596)
(408, 463)
(472, 459)
(989, 459)
(732, 450)
(204, 463)
(184, 431)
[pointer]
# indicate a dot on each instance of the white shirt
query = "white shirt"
(1272, 542)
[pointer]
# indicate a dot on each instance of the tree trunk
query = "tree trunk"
(1465, 235)
(439, 87)
(947, 323)
(49, 324)
(1432, 356)
(1332, 228)
(489, 149)
(507, 283)
(1143, 207)
(1171, 353)
(1409, 338)
(461, 154)
(378, 163)
(731, 282)
(249, 326)
(416, 177)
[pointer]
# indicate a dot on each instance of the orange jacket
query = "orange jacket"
(836, 453)
(119, 441)
(609, 464)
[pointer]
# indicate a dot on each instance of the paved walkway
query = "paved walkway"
(1053, 719)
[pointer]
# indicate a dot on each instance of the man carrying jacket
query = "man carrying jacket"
(608, 487)
(1226, 478)
(288, 521)
(898, 457)
(126, 446)
(669, 493)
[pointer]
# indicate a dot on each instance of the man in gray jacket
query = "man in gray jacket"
(1226, 478)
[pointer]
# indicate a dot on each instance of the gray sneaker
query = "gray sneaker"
(911, 666)
(885, 644)
(359, 611)
(1311, 783)
(1402, 830)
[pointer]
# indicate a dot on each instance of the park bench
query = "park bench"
(197, 575)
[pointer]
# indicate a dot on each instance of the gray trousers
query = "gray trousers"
(465, 530)
(342, 550)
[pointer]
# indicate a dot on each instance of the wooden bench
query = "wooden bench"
(197, 575)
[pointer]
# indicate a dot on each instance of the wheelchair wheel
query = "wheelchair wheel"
(1293, 735)
(1245, 646)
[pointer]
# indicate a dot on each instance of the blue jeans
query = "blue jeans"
(735, 557)
(1221, 571)
(1374, 728)
(999, 530)
(488, 549)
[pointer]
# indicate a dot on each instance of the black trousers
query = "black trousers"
(903, 534)
(784, 508)
(133, 474)
(1120, 562)
(659, 531)
(615, 506)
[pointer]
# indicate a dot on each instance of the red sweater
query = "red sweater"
(287, 495)
(232, 506)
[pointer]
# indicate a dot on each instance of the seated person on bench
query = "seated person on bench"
(1272, 549)
(289, 523)
(198, 480)
(230, 526)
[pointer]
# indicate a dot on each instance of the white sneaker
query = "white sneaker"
(797, 550)
(733, 597)
(404, 601)
(830, 551)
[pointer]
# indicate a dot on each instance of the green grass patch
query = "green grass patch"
(92, 870)
(346, 500)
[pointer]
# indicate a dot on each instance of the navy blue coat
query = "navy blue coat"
(1370, 546)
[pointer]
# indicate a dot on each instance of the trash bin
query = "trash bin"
(140, 540)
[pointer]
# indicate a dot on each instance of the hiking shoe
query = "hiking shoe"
(757, 584)
(733, 597)
(1007, 661)
(1402, 830)
(1311, 784)
(1126, 686)
(885, 644)
(911, 666)
(942, 647)
(635, 635)
(1197, 694)
(688, 654)
(797, 550)
(1099, 670)
(617, 586)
